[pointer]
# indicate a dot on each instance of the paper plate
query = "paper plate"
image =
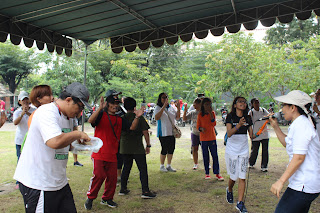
(96, 144)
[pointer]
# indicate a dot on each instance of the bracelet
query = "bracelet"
(148, 146)
(256, 135)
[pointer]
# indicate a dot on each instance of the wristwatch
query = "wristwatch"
(149, 146)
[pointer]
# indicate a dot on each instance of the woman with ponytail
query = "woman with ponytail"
(303, 147)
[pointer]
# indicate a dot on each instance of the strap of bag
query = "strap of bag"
(112, 128)
(165, 110)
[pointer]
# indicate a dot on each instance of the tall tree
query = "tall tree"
(15, 64)
(231, 66)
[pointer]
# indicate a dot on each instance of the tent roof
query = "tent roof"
(4, 92)
(132, 23)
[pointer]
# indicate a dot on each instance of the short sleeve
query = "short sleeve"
(48, 123)
(229, 118)
(16, 114)
(144, 124)
(97, 120)
(301, 140)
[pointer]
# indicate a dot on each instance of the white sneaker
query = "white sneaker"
(170, 169)
(163, 169)
(195, 167)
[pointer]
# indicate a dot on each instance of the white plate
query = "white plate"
(96, 144)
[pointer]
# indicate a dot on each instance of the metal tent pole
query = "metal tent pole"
(84, 80)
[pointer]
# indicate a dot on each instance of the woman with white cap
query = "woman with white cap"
(303, 147)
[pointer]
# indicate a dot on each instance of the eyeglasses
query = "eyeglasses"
(164, 97)
(242, 101)
(81, 107)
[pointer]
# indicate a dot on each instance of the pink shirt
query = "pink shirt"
(2, 105)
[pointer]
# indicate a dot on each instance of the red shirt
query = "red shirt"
(205, 122)
(103, 130)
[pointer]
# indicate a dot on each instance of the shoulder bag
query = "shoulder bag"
(175, 130)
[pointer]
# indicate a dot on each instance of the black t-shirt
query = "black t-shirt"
(233, 119)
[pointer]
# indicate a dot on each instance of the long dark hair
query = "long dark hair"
(159, 103)
(205, 100)
(233, 109)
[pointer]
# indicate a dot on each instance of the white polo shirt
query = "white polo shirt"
(302, 139)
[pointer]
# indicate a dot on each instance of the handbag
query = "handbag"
(175, 130)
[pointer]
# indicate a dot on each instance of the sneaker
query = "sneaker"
(229, 196)
(163, 169)
(148, 195)
(77, 163)
(88, 204)
(195, 167)
(219, 177)
(109, 203)
(264, 169)
(241, 208)
(207, 177)
(170, 169)
(124, 192)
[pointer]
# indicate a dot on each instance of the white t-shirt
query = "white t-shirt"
(193, 116)
(302, 139)
(164, 126)
(41, 167)
(255, 115)
(22, 127)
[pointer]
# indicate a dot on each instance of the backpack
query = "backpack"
(225, 139)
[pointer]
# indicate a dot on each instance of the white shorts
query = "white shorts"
(237, 166)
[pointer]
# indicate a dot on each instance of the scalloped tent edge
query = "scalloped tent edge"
(200, 28)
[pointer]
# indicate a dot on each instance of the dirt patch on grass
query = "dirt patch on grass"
(7, 188)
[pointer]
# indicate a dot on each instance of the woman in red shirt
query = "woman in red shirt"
(205, 124)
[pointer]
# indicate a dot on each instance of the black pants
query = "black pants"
(255, 150)
(142, 166)
(48, 201)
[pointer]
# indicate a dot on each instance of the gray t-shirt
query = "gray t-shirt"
(193, 115)
(255, 115)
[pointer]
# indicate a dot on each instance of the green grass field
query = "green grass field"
(183, 191)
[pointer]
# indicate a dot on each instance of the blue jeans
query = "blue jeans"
(18, 150)
(212, 146)
(294, 201)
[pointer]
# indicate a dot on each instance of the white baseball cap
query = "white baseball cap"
(296, 97)
(22, 95)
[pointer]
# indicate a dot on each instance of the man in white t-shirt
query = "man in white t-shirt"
(256, 113)
(41, 170)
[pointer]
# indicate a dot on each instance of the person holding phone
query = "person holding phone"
(164, 129)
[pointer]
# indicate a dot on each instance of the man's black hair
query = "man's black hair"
(63, 95)
(129, 103)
